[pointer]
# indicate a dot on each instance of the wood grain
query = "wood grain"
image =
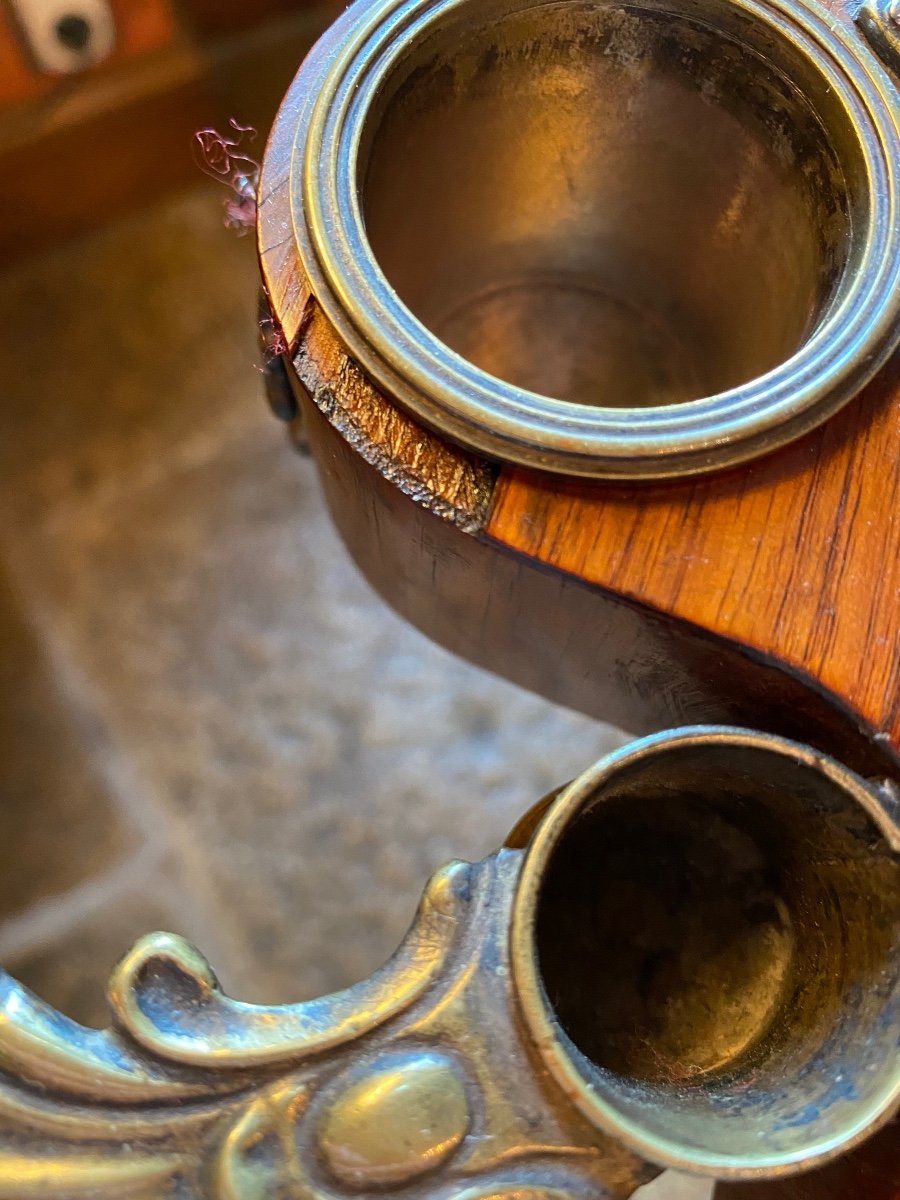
(429, 470)
(796, 557)
(444, 479)
(550, 588)
(286, 286)
(550, 633)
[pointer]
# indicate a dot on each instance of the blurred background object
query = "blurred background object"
(66, 36)
(100, 98)
(208, 722)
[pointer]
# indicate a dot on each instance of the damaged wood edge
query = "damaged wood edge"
(448, 481)
(464, 492)
(556, 635)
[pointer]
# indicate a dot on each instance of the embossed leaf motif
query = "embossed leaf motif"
(23, 1177)
(137, 1110)
(392, 1123)
(414, 1081)
(383, 1124)
(258, 1158)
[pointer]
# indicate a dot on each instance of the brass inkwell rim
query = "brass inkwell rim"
(342, 78)
(557, 1052)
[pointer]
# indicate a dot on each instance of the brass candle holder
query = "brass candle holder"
(688, 957)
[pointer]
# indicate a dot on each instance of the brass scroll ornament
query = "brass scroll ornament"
(688, 957)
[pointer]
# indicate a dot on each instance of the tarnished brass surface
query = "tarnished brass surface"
(689, 957)
(878, 19)
(603, 239)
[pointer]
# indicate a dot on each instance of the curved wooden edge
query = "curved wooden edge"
(444, 478)
(283, 280)
(448, 481)
(520, 610)
(506, 596)
(575, 644)
(795, 557)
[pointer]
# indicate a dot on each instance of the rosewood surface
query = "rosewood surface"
(795, 557)
(768, 594)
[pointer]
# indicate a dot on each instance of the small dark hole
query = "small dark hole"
(73, 31)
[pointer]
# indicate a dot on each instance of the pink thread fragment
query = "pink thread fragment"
(273, 343)
(224, 157)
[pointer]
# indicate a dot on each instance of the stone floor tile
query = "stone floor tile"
(305, 756)
(313, 756)
(58, 823)
(116, 350)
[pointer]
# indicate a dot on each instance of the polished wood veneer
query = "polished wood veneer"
(768, 594)
(795, 557)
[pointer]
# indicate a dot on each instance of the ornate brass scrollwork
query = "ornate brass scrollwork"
(489, 1057)
(419, 1069)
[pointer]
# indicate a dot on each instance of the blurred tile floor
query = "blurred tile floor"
(208, 722)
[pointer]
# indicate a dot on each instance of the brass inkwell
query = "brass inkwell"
(646, 239)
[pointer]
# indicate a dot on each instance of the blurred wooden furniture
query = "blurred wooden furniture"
(80, 148)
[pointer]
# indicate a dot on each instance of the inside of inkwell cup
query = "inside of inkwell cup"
(707, 948)
(620, 207)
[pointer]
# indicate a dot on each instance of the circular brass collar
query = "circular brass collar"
(536, 1009)
(342, 81)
